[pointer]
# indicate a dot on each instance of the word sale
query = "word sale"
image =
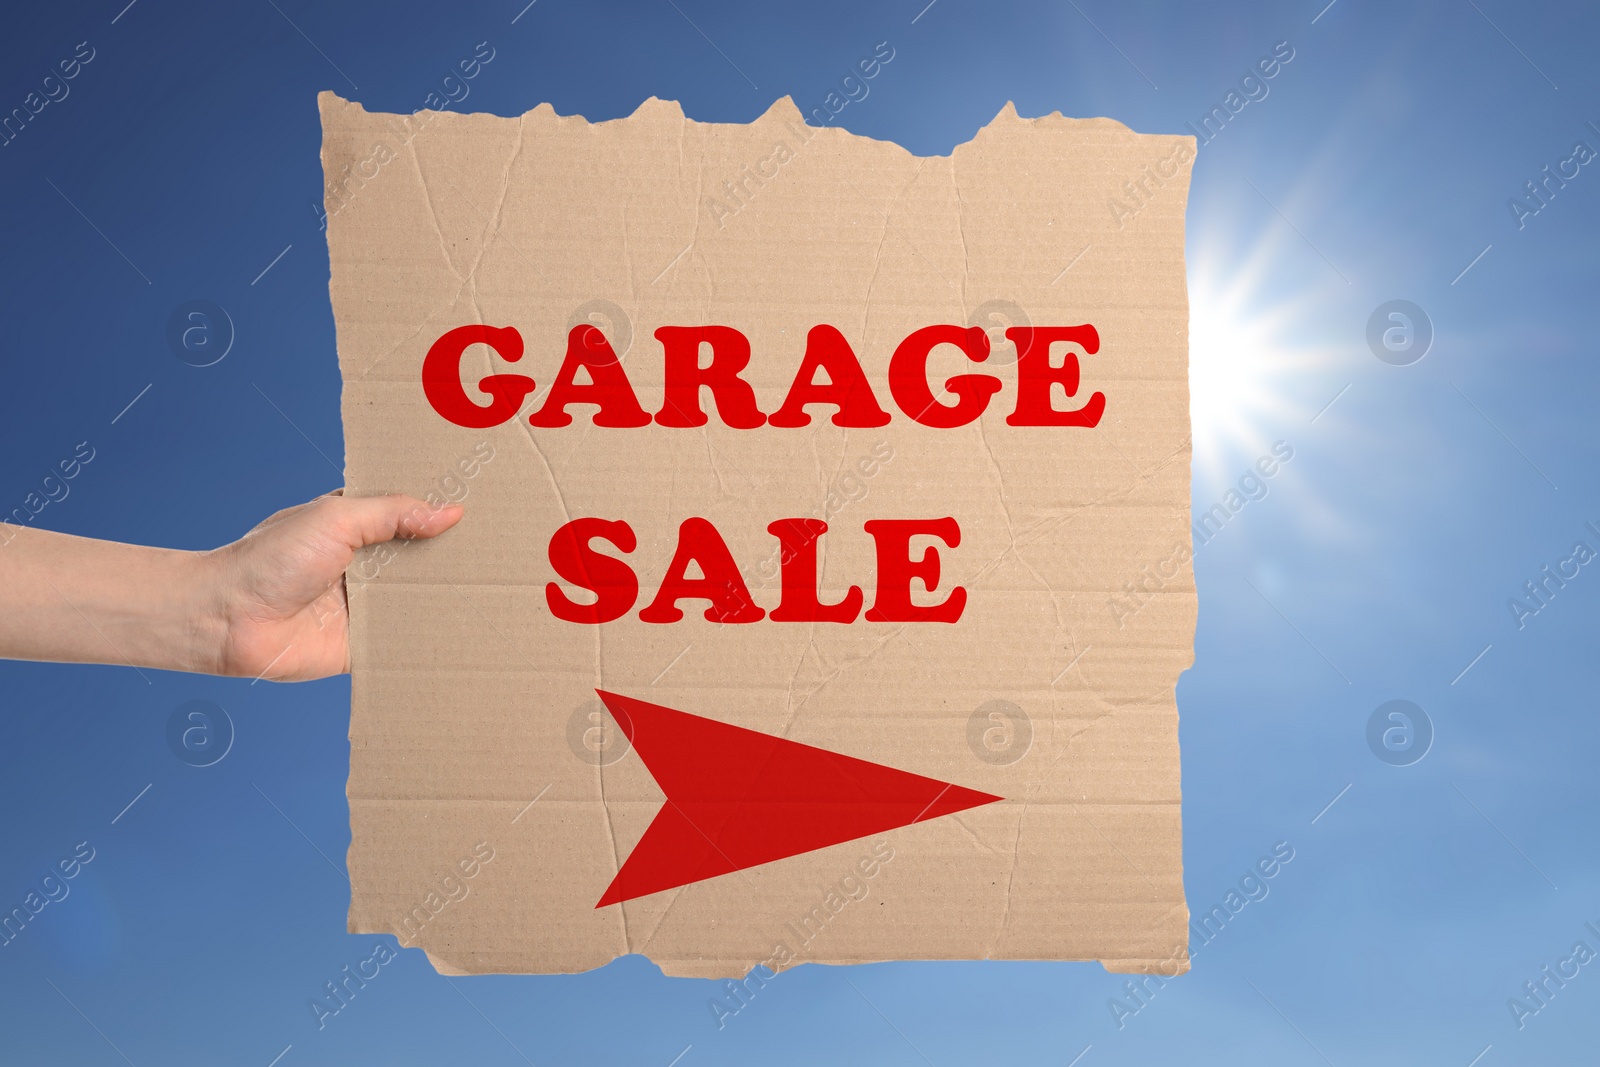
(615, 586)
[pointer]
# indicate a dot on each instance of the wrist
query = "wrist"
(175, 616)
(207, 609)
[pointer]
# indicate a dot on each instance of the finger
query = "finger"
(372, 520)
(425, 520)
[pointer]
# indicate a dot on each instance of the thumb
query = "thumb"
(360, 521)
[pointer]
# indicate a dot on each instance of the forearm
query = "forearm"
(78, 600)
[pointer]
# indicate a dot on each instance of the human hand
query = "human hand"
(281, 591)
(270, 605)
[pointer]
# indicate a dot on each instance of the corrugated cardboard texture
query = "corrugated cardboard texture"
(475, 721)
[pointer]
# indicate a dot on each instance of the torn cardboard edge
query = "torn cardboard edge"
(782, 109)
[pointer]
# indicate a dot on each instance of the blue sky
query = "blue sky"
(181, 164)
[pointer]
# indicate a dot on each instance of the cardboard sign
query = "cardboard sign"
(809, 483)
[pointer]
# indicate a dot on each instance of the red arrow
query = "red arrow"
(737, 798)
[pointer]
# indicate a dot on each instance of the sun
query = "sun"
(1248, 357)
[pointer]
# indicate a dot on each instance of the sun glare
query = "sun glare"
(1243, 359)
